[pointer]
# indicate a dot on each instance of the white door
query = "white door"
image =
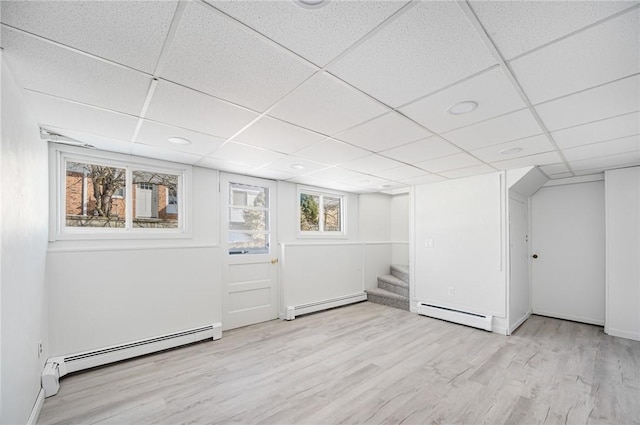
(146, 200)
(519, 288)
(248, 234)
(567, 237)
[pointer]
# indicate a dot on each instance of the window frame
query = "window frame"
(321, 193)
(59, 155)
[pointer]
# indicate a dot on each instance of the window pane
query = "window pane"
(91, 196)
(332, 214)
(248, 243)
(242, 195)
(155, 200)
(309, 212)
(248, 219)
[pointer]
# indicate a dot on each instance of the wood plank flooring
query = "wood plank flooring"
(367, 363)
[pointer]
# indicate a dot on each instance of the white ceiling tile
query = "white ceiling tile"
(469, 171)
(183, 107)
(429, 178)
(606, 162)
(224, 165)
(308, 181)
(216, 55)
(332, 152)
(267, 173)
(433, 147)
(526, 161)
(382, 184)
(606, 101)
(132, 33)
(491, 90)
(285, 163)
(325, 104)
(528, 146)
(401, 173)
(335, 174)
(451, 162)
(560, 175)
(279, 136)
(340, 23)
(496, 130)
(413, 55)
(555, 169)
(345, 187)
(519, 26)
(245, 154)
(55, 112)
(45, 67)
(366, 181)
(163, 154)
(371, 164)
(385, 132)
(612, 147)
(598, 131)
(598, 55)
(155, 134)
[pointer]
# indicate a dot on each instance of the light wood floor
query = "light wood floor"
(368, 363)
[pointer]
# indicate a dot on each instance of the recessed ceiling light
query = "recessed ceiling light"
(463, 107)
(311, 4)
(297, 166)
(179, 141)
(384, 186)
(364, 181)
(510, 151)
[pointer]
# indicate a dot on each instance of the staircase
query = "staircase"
(393, 289)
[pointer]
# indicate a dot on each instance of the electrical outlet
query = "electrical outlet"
(451, 291)
(39, 349)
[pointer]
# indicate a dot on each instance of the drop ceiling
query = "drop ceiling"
(356, 93)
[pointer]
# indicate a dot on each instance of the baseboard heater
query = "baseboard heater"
(475, 320)
(57, 367)
(296, 310)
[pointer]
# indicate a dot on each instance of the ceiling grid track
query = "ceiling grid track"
(175, 21)
(468, 11)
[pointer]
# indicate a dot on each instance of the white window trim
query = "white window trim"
(322, 234)
(60, 154)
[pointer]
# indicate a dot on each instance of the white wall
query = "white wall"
(110, 292)
(374, 219)
(400, 229)
(568, 235)
(459, 244)
(623, 252)
(24, 218)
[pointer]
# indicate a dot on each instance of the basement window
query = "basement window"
(321, 213)
(107, 196)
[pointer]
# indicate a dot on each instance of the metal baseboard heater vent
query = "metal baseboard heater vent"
(475, 320)
(57, 367)
(297, 310)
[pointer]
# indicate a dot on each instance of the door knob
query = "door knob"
(535, 255)
(274, 261)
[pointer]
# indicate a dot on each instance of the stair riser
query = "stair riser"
(393, 288)
(401, 304)
(400, 274)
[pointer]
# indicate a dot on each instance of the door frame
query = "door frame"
(271, 257)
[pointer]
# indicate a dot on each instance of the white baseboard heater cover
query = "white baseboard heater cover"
(296, 310)
(57, 367)
(475, 320)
